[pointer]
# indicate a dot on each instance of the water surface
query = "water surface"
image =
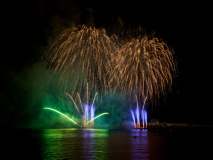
(107, 144)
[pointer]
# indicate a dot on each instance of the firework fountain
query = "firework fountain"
(85, 124)
(139, 116)
(88, 111)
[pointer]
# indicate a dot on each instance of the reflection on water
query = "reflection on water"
(94, 144)
(58, 143)
(106, 144)
(73, 143)
(139, 144)
(87, 150)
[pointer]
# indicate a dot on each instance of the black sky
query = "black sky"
(185, 26)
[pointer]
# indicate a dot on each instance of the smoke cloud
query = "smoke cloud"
(31, 89)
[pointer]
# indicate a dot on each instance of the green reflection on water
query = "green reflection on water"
(101, 143)
(75, 143)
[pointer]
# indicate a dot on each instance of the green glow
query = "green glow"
(60, 114)
(97, 116)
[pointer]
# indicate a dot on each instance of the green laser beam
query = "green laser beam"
(60, 114)
(97, 116)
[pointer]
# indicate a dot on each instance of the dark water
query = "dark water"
(106, 144)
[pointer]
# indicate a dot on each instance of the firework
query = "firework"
(133, 118)
(72, 119)
(81, 55)
(142, 116)
(142, 66)
(137, 114)
(61, 114)
(73, 102)
(97, 117)
(145, 66)
(87, 109)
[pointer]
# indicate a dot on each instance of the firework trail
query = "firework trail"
(133, 118)
(80, 102)
(61, 114)
(144, 67)
(82, 55)
(92, 119)
(144, 103)
(97, 117)
(73, 102)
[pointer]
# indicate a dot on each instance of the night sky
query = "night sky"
(184, 26)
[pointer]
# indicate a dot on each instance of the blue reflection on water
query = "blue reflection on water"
(139, 144)
(87, 150)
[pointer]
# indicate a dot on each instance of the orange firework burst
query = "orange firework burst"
(81, 55)
(145, 68)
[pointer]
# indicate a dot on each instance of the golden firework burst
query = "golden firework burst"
(142, 66)
(145, 68)
(81, 55)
